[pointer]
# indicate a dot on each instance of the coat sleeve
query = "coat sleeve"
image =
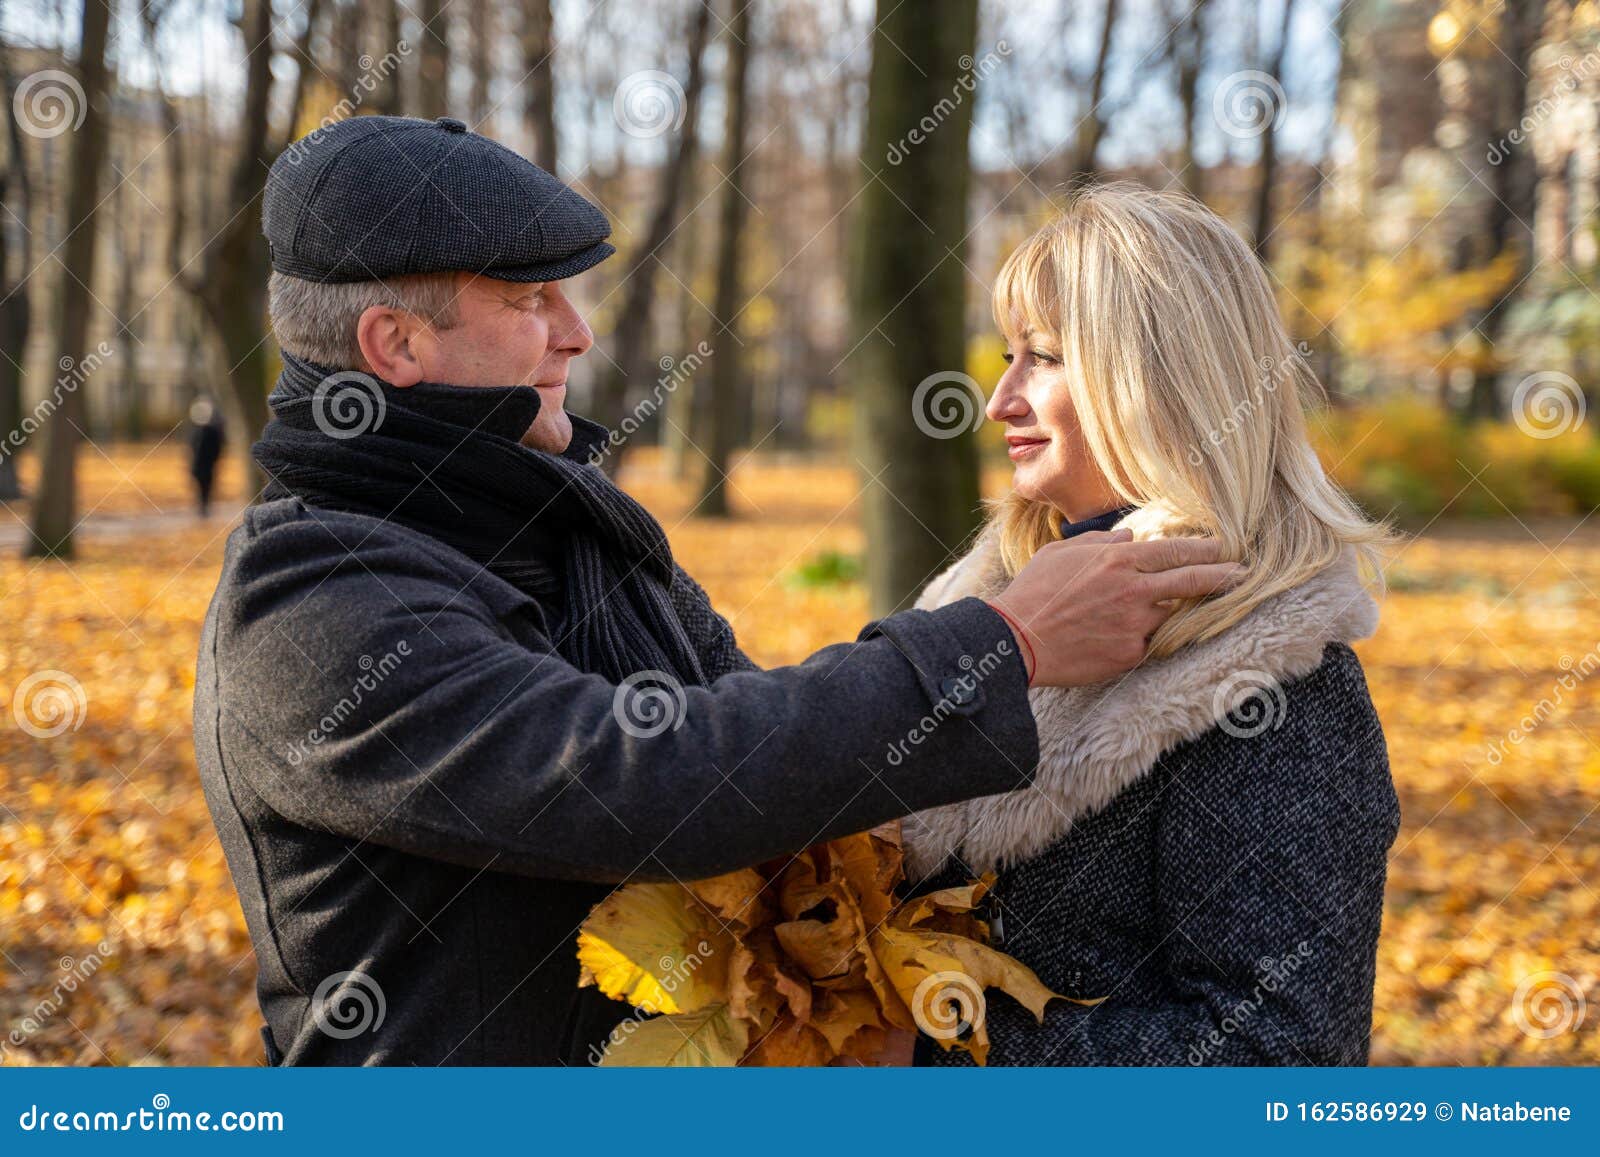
(1271, 853)
(375, 694)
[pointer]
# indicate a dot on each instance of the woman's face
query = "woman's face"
(1043, 436)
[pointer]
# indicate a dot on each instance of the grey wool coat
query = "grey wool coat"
(1203, 848)
(420, 800)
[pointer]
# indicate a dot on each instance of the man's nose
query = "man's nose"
(572, 335)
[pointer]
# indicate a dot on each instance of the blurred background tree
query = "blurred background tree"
(826, 211)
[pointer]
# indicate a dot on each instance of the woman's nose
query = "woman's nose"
(1006, 401)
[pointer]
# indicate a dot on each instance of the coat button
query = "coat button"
(959, 689)
(451, 125)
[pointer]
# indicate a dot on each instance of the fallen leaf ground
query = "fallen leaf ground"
(121, 941)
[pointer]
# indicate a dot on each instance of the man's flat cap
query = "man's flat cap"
(378, 196)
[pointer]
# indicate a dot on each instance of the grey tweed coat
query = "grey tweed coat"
(1204, 846)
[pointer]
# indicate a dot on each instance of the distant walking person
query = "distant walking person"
(207, 437)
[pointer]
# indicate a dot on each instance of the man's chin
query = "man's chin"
(551, 433)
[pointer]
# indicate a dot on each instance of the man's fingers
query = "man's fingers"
(1166, 553)
(1193, 582)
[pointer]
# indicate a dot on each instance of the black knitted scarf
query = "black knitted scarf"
(445, 460)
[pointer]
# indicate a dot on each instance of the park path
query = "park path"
(13, 535)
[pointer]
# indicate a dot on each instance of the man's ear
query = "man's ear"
(388, 339)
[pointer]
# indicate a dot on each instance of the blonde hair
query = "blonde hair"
(1189, 394)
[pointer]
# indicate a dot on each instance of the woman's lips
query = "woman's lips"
(1020, 448)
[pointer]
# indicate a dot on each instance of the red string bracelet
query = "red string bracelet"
(1022, 637)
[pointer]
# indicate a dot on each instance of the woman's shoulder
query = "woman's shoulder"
(1313, 743)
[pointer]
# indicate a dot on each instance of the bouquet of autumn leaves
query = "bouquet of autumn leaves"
(800, 961)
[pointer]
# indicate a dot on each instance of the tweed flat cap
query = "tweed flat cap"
(379, 196)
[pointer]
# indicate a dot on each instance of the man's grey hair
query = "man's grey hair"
(316, 321)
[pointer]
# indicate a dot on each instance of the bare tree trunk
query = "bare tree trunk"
(390, 97)
(231, 280)
(722, 409)
(55, 513)
(538, 52)
(1189, 46)
(917, 450)
(15, 303)
(1514, 184)
(481, 16)
(1092, 125)
(130, 257)
(681, 406)
(1267, 169)
(638, 305)
(433, 71)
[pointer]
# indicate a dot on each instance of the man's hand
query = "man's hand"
(1086, 607)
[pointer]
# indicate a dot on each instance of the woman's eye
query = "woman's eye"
(1008, 358)
(1041, 356)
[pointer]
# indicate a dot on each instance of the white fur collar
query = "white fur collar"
(1095, 741)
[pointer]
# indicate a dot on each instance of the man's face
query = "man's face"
(512, 333)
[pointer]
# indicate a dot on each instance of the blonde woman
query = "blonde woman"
(1204, 843)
